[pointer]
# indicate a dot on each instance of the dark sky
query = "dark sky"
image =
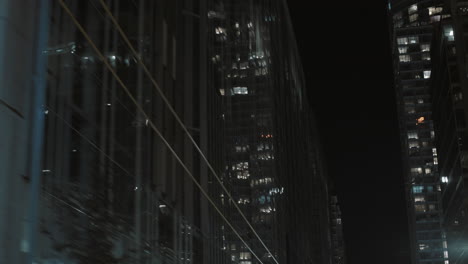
(345, 52)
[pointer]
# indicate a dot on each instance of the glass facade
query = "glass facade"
(449, 89)
(146, 105)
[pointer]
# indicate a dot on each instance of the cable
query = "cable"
(140, 109)
(166, 101)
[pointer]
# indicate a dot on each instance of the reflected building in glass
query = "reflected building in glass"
(449, 95)
(121, 117)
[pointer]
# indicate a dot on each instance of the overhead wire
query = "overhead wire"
(151, 124)
(176, 116)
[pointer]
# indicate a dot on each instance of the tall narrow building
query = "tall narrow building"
(411, 35)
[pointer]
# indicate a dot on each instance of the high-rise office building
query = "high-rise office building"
(257, 72)
(411, 35)
(121, 116)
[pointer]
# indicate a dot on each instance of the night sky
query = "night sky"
(345, 52)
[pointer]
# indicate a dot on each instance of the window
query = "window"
(412, 9)
(421, 101)
(402, 41)
(427, 74)
(418, 189)
(413, 39)
(448, 33)
(420, 208)
(420, 120)
(244, 255)
(435, 19)
(434, 152)
(243, 175)
(402, 50)
(423, 246)
(416, 171)
(425, 47)
(427, 170)
(413, 145)
(444, 179)
(240, 166)
(404, 58)
(434, 10)
(426, 56)
(413, 17)
(240, 90)
(419, 198)
(412, 135)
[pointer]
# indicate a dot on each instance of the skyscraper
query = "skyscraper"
(411, 36)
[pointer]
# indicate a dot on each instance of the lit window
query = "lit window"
(444, 244)
(420, 101)
(419, 199)
(240, 166)
(423, 246)
(434, 152)
(425, 47)
(412, 9)
(405, 58)
(444, 179)
(240, 90)
(448, 33)
(420, 120)
(427, 74)
(402, 41)
(243, 201)
(427, 170)
(434, 10)
(219, 30)
(403, 49)
(243, 175)
(445, 254)
(418, 189)
(244, 255)
(412, 135)
(413, 145)
(413, 39)
(436, 161)
(416, 171)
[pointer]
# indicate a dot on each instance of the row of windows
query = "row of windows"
(414, 57)
(406, 49)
